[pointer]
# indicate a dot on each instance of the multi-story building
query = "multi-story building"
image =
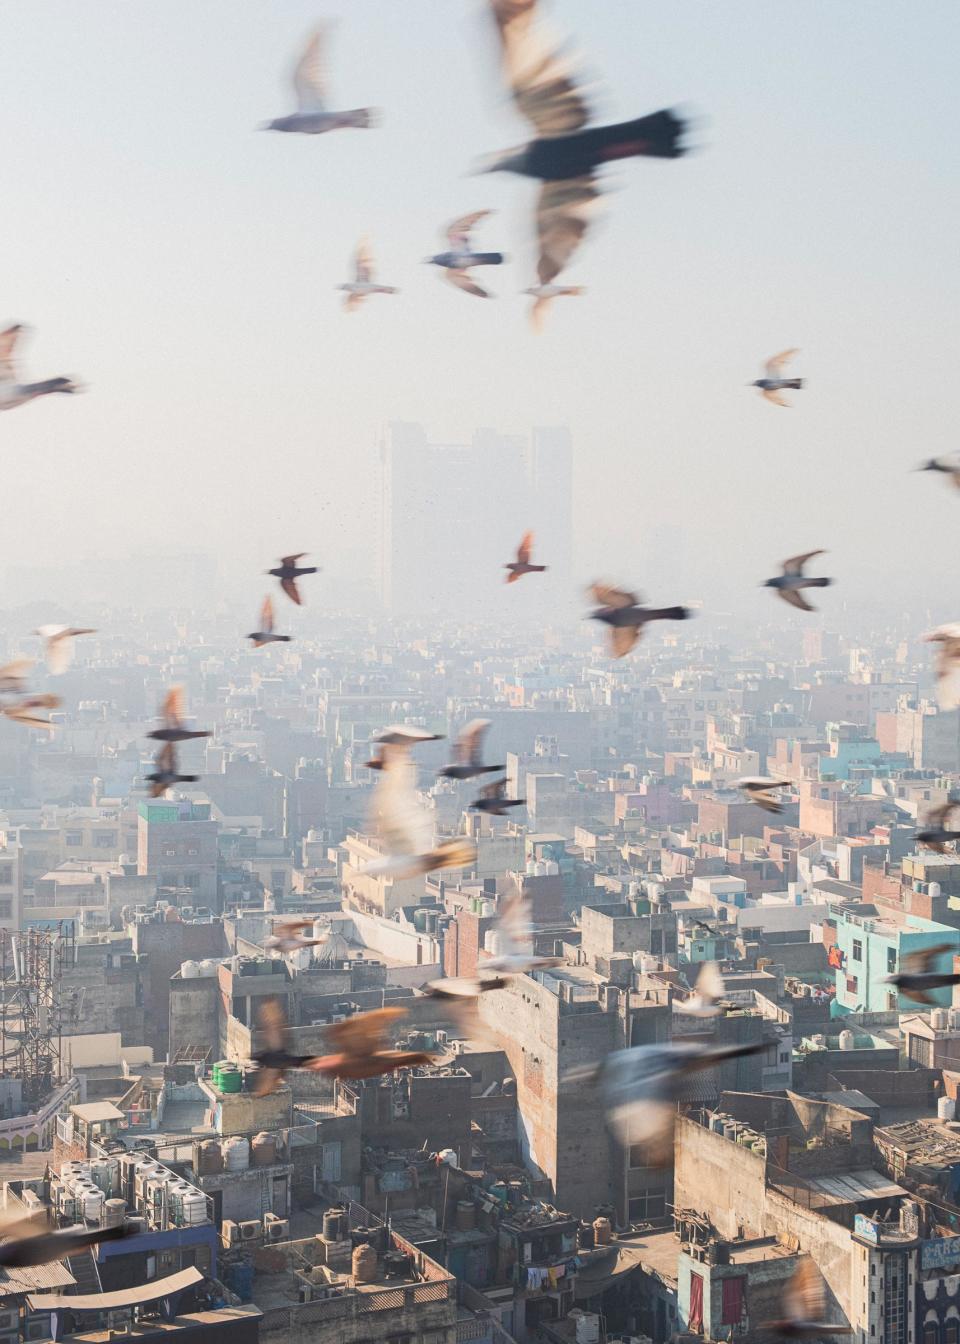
(177, 842)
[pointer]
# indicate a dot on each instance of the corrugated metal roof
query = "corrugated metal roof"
(122, 1297)
(93, 1111)
(35, 1278)
(851, 1187)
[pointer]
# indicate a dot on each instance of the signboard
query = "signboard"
(865, 1228)
(940, 1252)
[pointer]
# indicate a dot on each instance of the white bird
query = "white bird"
(543, 296)
(363, 282)
(707, 997)
(759, 790)
(287, 938)
(401, 823)
(310, 82)
(12, 391)
(947, 664)
(513, 944)
(59, 645)
(773, 383)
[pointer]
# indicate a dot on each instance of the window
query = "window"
(192, 851)
(951, 1332)
(931, 1333)
(169, 851)
(6, 874)
(73, 838)
(6, 909)
(891, 960)
(644, 1207)
(784, 1056)
(105, 839)
(853, 984)
(857, 950)
(892, 1001)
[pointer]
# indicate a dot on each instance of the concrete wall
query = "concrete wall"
(194, 1014)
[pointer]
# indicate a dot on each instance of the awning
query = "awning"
(123, 1297)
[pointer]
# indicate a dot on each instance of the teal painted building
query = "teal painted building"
(872, 947)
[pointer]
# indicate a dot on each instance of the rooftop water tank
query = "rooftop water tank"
(364, 1263)
(208, 966)
(190, 970)
(531, 868)
(946, 1108)
(848, 1041)
(236, 1154)
(933, 890)
(114, 1212)
(487, 909)
(540, 868)
(637, 960)
(602, 1231)
(553, 868)
(940, 1019)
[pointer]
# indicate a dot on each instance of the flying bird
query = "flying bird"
(789, 583)
(935, 834)
(362, 1050)
(12, 391)
(917, 980)
(363, 282)
(460, 258)
(171, 711)
(707, 997)
(276, 1059)
(468, 753)
(165, 773)
(23, 1246)
(758, 789)
(401, 823)
(773, 384)
(455, 1001)
(310, 81)
(544, 295)
(641, 1086)
(622, 612)
(805, 1304)
(265, 635)
(947, 664)
(566, 153)
(288, 571)
(288, 936)
(513, 943)
(22, 710)
(517, 568)
(950, 467)
(59, 645)
(493, 800)
(13, 676)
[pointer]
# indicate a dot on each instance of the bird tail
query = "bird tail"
(670, 614)
(794, 383)
(487, 259)
(364, 118)
(659, 135)
(819, 583)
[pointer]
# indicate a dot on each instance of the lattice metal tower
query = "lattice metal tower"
(32, 966)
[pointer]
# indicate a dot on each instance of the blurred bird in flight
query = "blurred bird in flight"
(758, 789)
(275, 1059)
(622, 612)
(12, 391)
(493, 800)
(288, 571)
(936, 835)
(165, 773)
(22, 710)
(517, 568)
(361, 1047)
(363, 283)
(788, 584)
(513, 942)
(287, 936)
(544, 296)
(805, 1305)
(266, 635)
(468, 753)
(707, 997)
(171, 711)
(58, 647)
(773, 383)
(13, 676)
(23, 1245)
(565, 153)
(947, 664)
(948, 466)
(310, 83)
(917, 978)
(458, 260)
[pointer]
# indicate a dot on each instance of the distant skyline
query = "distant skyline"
(183, 265)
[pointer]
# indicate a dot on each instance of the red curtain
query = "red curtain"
(732, 1301)
(695, 1315)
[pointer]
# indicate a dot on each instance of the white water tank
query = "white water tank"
(540, 868)
(236, 1153)
(269, 902)
(553, 868)
(487, 909)
(648, 963)
(637, 960)
(955, 1019)
(946, 1108)
(194, 1208)
(190, 970)
(92, 1204)
(587, 1328)
(531, 868)
(933, 890)
(321, 929)
(848, 1041)
(208, 967)
(654, 891)
(114, 1213)
(940, 1019)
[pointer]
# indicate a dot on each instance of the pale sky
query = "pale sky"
(183, 264)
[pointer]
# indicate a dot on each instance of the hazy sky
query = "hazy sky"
(183, 264)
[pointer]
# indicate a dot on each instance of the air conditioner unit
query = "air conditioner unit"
(230, 1232)
(251, 1230)
(441, 1038)
(277, 1230)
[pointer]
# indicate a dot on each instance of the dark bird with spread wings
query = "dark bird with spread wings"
(275, 1059)
(917, 979)
(493, 800)
(517, 568)
(362, 1047)
(460, 257)
(23, 1246)
(622, 612)
(759, 789)
(805, 1304)
(171, 711)
(288, 571)
(947, 664)
(936, 835)
(773, 384)
(363, 283)
(788, 584)
(947, 465)
(266, 634)
(468, 753)
(166, 772)
(311, 86)
(566, 153)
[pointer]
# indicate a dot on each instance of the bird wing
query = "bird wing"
(59, 652)
(266, 616)
(565, 210)
(289, 586)
(470, 741)
(458, 233)
(363, 263)
(21, 714)
(267, 1081)
(525, 549)
(290, 561)
(776, 397)
(166, 759)
(608, 596)
(948, 673)
(287, 927)
(710, 981)
(17, 670)
(805, 1297)
(513, 926)
(537, 314)
(8, 343)
(397, 816)
(794, 566)
(171, 711)
(272, 1021)
(310, 73)
(921, 961)
(795, 598)
(937, 816)
(540, 75)
(775, 365)
(623, 638)
(364, 1034)
(495, 790)
(462, 281)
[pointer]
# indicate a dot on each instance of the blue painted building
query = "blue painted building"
(871, 947)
